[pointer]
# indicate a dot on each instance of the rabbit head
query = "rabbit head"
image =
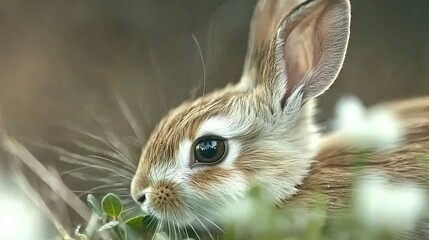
(205, 153)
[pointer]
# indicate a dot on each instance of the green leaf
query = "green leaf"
(129, 233)
(109, 225)
(135, 222)
(94, 204)
(112, 205)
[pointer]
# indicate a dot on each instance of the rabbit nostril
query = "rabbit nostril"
(142, 198)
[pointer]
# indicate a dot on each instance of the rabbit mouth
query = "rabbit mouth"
(188, 224)
(187, 215)
(183, 216)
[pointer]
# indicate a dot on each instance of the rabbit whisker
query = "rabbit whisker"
(132, 120)
(202, 224)
(214, 224)
(156, 229)
(168, 226)
(193, 229)
(203, 64)
(113, 162)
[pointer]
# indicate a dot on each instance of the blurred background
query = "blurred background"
(62, 61)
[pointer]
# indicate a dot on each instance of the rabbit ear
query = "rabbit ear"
(307, 51)
(266, 17)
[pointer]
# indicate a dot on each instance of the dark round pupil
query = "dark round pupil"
(209, 150)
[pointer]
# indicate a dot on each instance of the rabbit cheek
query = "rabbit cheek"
(219, 183)
(207, 179)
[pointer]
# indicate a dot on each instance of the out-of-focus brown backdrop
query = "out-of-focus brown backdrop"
(58, 57)
(62, 60)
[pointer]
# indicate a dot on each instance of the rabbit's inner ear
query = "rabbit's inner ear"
(308, 48)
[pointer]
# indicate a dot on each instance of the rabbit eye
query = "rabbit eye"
(209, 149)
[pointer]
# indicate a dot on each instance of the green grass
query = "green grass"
(264, 222)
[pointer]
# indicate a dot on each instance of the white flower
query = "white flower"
(385, 206)
(376, 128)
(19, 218)
(251, 214)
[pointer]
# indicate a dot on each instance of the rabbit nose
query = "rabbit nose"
(142, 198)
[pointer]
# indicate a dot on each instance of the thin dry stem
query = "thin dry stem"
(20, 179)
(17, 150)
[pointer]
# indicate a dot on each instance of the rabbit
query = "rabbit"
(205, 153)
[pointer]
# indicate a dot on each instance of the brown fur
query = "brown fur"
(332, 174)
(180, 123)
(205, 179)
